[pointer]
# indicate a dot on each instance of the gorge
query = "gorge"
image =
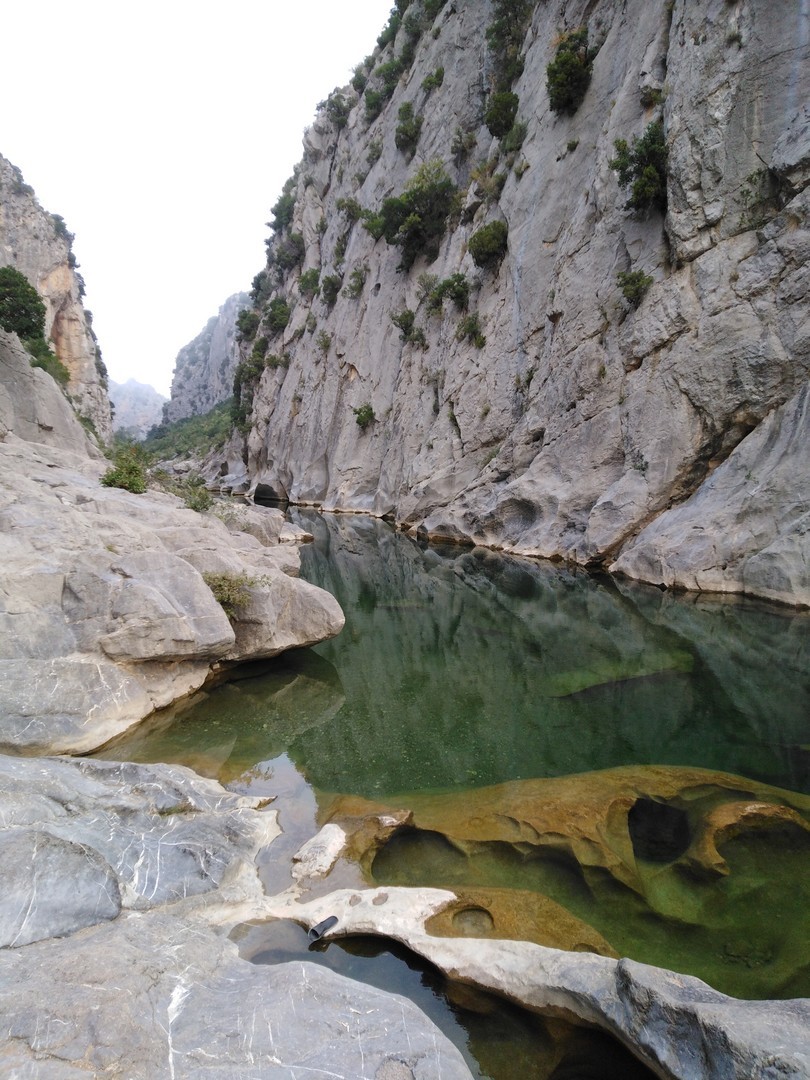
(536, 295)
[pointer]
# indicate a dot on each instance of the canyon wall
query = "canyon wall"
(38, 244)
(663, 435)
(203, 370)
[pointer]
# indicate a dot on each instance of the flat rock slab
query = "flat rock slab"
(84, 839)
(156, 996)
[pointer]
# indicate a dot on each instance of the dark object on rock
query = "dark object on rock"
(316, 932)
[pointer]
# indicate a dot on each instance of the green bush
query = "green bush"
(338, 109)
(490, 183)
(351, 208)
(389, 31)
(290, 252)
(283, 208)
(501, 113)
(642, 167)
(128, 470)
(22, 312)
(231, 591)
(330, 287)
(488, 244)
(357, 279)
(194, 494)
(513, 139)
(374, 154)
(408, 129)
(364, 415)
(416, 220)
(43, 357)
(505, 35)
(469, 328)
(434, 80)
(634, 284)
(323, 341)
(405, 321)
(456, 287)
(308, 282)
(462, 145)
(569, 73)
(247, 323)
(278, 315)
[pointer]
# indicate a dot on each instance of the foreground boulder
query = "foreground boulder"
(677, 1025)
(105, 614)
(117, 881)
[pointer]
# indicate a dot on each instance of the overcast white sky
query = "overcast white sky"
(162, 132)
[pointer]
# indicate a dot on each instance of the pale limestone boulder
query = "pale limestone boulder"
(104, 613)
(677, 1025)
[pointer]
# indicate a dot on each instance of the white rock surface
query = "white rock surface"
(581, 420)
(104, 613)
(38, 245)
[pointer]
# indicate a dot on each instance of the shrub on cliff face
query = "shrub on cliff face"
(278, 315)
(247, 323)
(642, 167)
(42, 356)
(501, 113)
(505, 36)
(408, 129)
(634, 284)
(488, 244)
(232, 591)
(416, 220)
(569, 73)
(364, 415)
(22, 312)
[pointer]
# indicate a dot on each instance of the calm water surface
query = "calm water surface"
(462, 668)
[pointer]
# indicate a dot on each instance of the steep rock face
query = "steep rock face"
(138, 407)
(582, 418)
(38, 245)
(203, 370)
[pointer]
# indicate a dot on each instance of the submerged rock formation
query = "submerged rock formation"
(138, 407)
(542, 402)
(38, 245)
(203, 370)
(104, 612)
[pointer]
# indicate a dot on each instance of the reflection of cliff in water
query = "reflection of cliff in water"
(465, 666)
(223, 732)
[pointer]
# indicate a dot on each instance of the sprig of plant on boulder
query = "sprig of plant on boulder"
(642, 167)
(128, 470)
(232, 591)
(569, 73)
(487, 245)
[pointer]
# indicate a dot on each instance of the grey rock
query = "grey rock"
(138, 407)
(203, 371)
(582, 419)
(680, 1027)
(38, 245)
(104, 613)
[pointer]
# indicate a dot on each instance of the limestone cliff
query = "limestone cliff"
(203, 370)
(663, 434)
(138, 407)
(38, 245)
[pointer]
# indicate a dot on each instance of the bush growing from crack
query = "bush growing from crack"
(642, 167)
(469, 329)
(357, 279)
(364, 415)
(488, 244)
(634, 284)
(408, 129)
(456, 287)
(501, 113)
(569, 73)
(128, 470)
(278, 315)
(232, 591)
(330, 287)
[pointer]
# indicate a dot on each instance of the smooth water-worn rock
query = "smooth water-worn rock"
(115, 880)
(38, 245)
(584, 427)
(104, 612)
(677, 1025)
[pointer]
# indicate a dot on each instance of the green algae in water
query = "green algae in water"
(462, 668)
